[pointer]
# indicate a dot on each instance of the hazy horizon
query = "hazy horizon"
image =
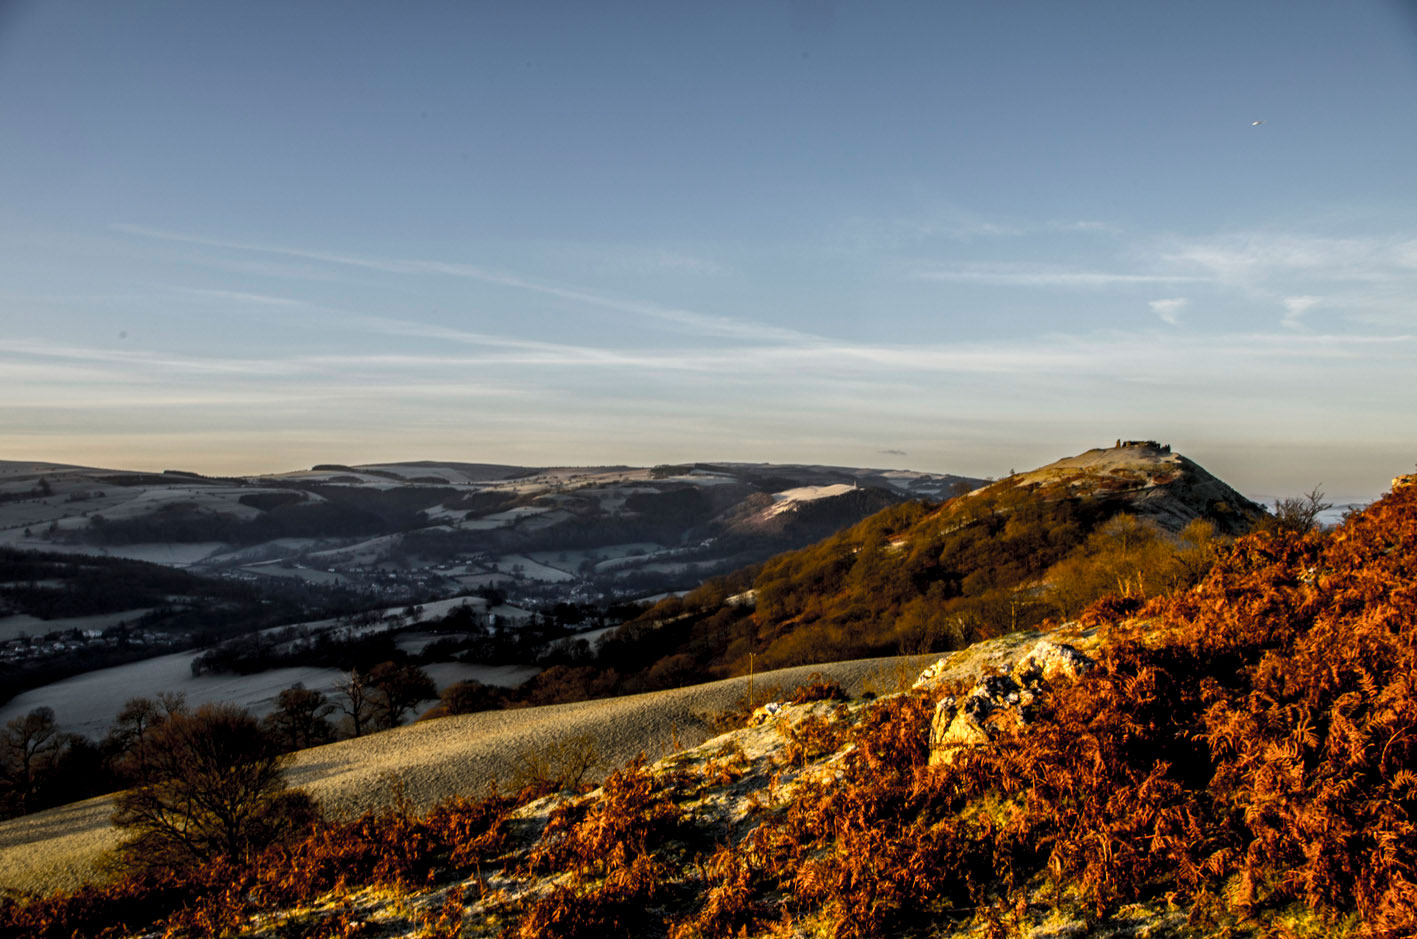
(949, 238)
(1260, 487)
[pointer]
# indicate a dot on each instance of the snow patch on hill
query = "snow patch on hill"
(789, 499)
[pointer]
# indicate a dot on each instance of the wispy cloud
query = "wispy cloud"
(1295, 308)
(1084, 225)
(707, 324)
(1253, 257)
(1169, 309)
(140, 358)
(1051, 355)
(238, 296)
(638, 259)
(1033, 275)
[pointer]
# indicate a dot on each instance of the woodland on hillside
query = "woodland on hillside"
(913, 578)
(1242, 758)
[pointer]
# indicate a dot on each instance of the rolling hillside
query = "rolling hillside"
(407, 532)
(432, 761)
(1237, 758)
(101, 567)
(918, 577)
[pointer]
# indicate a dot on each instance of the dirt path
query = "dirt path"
(430, 761)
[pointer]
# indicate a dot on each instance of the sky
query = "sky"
(961, 237)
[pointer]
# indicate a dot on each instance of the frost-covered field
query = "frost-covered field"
(87, 703)
(170, 553)
(788, 499)
(572, 559)
(297, 571)
(11, 627)
(590, 635)
(524, 566)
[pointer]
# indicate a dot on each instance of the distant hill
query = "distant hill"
(406, 532)
(1148, 480)
(920, 576)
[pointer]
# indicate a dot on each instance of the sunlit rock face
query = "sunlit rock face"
(998, 701)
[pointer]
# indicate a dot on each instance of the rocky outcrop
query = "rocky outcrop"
(976, 718)
(997, 702)
(1048, 661)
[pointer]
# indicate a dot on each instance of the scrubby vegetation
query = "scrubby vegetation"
(1246, 750)
(393, 849)
(1241, 758)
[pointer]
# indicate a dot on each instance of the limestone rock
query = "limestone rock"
(1047, 661)
(765, 713)
(951, 731)
(976, 718)
(932, 672)
(999, 701)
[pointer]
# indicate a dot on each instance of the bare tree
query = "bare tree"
(172, 702)
(134, 721)
(395, 689)
(29, 748)
(1300, 513)
(358, 705)
(207, 784)
(301, 718)
(134, 724)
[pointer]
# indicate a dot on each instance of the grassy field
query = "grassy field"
(429, 761)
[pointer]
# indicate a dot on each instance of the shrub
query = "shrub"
(207, 785)
(563, 764)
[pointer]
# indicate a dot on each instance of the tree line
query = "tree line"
(42, 766)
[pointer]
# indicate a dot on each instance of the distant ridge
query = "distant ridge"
(925, 576)
(1154, 482)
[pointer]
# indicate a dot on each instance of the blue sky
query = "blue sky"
(960, 237)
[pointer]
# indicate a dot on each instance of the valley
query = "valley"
(113, 582)
(1210, 730)
(416, 531)
(792, 569)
